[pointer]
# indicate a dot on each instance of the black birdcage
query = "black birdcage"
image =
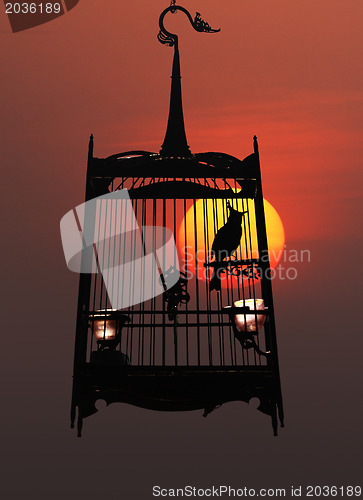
(209, 336)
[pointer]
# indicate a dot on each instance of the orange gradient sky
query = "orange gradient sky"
(289, 71)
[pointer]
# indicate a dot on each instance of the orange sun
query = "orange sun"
(207, 216)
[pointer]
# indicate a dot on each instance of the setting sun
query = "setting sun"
(209, 216)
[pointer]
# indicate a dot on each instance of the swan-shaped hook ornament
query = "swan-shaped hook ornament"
(171, 39)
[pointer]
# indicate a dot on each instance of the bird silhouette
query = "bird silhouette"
(225, 243)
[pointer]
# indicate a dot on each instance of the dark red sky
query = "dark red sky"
(289, 72)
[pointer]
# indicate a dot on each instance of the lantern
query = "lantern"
(103, 329)
(250, 322)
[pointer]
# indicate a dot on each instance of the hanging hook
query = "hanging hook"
(172, 3)
(167, 38)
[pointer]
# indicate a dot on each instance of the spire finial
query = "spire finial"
(175, 141)
(90, 147)
(255, 144)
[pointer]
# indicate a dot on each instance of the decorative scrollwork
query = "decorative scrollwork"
(251, 271)
(175, 295)
(202, 26)
(165, 39)
(248, 342)
(235, 267)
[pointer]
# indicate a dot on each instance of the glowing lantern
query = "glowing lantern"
(250, 322)
(105, 329)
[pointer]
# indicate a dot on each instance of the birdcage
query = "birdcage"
(191, 325)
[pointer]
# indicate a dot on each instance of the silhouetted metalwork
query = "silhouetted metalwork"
(192, 347)
(176, 295)
(245, 338)
(175, 142)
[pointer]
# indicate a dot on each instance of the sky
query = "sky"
(289, 72)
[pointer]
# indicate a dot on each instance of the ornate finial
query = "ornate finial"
(90, 147)
(167, 38)
(202, 26)
(175, 142)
